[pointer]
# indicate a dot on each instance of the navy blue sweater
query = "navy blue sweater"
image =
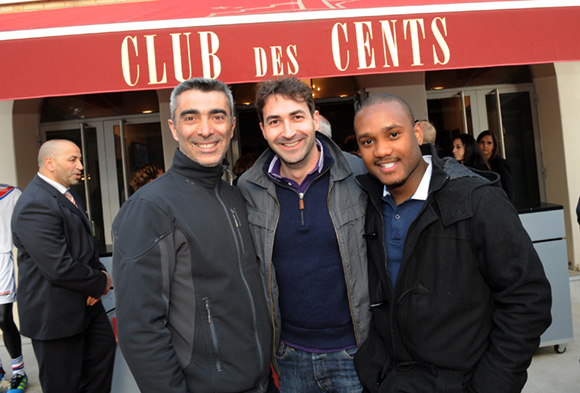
(309, 271)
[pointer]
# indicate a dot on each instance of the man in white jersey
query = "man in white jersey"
(19, 382)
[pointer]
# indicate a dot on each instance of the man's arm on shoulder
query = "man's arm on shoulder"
(142, 255)
(39, 229)
(522, 294)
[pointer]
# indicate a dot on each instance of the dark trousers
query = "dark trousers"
(82, 363)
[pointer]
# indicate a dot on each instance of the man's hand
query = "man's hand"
(91, 301)
(108, 283)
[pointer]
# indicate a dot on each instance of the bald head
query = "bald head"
(429, 132)
(383, 98)
(325, 126)
(60, 160)
(51, 149)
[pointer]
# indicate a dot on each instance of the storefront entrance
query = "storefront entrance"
(112, 149)
(509, 108)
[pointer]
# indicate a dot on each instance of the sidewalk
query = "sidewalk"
(549, 372)
(559, 373)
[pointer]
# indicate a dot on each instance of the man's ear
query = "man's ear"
(233, 127)
(418, 130)
(49, 164)
(172, 128)
(316, 118)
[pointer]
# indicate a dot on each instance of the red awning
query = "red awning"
(156, 44)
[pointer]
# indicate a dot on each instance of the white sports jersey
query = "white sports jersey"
(8, 197)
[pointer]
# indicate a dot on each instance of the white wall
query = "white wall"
(26, 114)
(409, 86)
(7, 158)
(568, 88)
(169, 144)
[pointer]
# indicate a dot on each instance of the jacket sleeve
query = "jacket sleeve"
(143, 253)
(40, 230)
(507, 182)
(521, 290)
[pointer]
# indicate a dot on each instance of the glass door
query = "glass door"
(89, 188)
(112, 150)
(511, 119)
(503, 107)
(452, 114)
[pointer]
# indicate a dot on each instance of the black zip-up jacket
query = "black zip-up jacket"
(191, 312)
(471, 299)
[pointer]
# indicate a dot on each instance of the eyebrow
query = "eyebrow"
(384, 129)
(197, 112)
(296, 112)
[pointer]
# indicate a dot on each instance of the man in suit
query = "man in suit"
(61, 279)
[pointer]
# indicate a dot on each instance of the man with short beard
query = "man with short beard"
(307, 216)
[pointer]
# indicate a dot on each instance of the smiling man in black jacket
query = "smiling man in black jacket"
(191, 311)
(458, 294)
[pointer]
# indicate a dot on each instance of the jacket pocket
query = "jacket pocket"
(423, 380)
(213, 334)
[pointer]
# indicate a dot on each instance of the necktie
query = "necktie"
(70, 197)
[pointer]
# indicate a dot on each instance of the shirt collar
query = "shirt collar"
(423, 190)
(274, 167)
(62, 189)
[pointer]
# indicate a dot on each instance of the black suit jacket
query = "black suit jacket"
(58, 264)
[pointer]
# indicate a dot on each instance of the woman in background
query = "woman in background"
(145, 174)
(466, 151)
(489, 147)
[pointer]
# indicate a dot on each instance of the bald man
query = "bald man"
(61, 279)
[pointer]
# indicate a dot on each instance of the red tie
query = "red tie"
(70, 197)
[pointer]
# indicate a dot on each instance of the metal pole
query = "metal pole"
(464, 113)
(500, 123)
(87, 194)
(124, 159)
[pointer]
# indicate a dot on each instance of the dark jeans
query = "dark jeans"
(306, 372)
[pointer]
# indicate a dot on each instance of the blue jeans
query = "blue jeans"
(307, 372)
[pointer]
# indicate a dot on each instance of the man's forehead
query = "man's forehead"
(392, 109)
(279, 102)
(200, 100)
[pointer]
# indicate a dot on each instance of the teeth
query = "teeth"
(291, 144)
(206, 145)
(387, 165)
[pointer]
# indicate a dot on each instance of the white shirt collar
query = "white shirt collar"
(62, 189)
(423, 189)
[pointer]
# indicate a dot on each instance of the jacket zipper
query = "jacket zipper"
(238, 226)
(218, 362)
(301, 206)
(343, 267)
(271, 290)
(235, 227)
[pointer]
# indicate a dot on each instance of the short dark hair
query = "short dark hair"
(144, 175)
(382, 98)
(201, 84)
(289, 87)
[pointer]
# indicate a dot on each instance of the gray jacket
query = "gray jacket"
(347, 204)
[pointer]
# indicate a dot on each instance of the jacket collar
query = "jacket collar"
(63, 200)
(455, 202)
(340, 168)
(207, 177)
